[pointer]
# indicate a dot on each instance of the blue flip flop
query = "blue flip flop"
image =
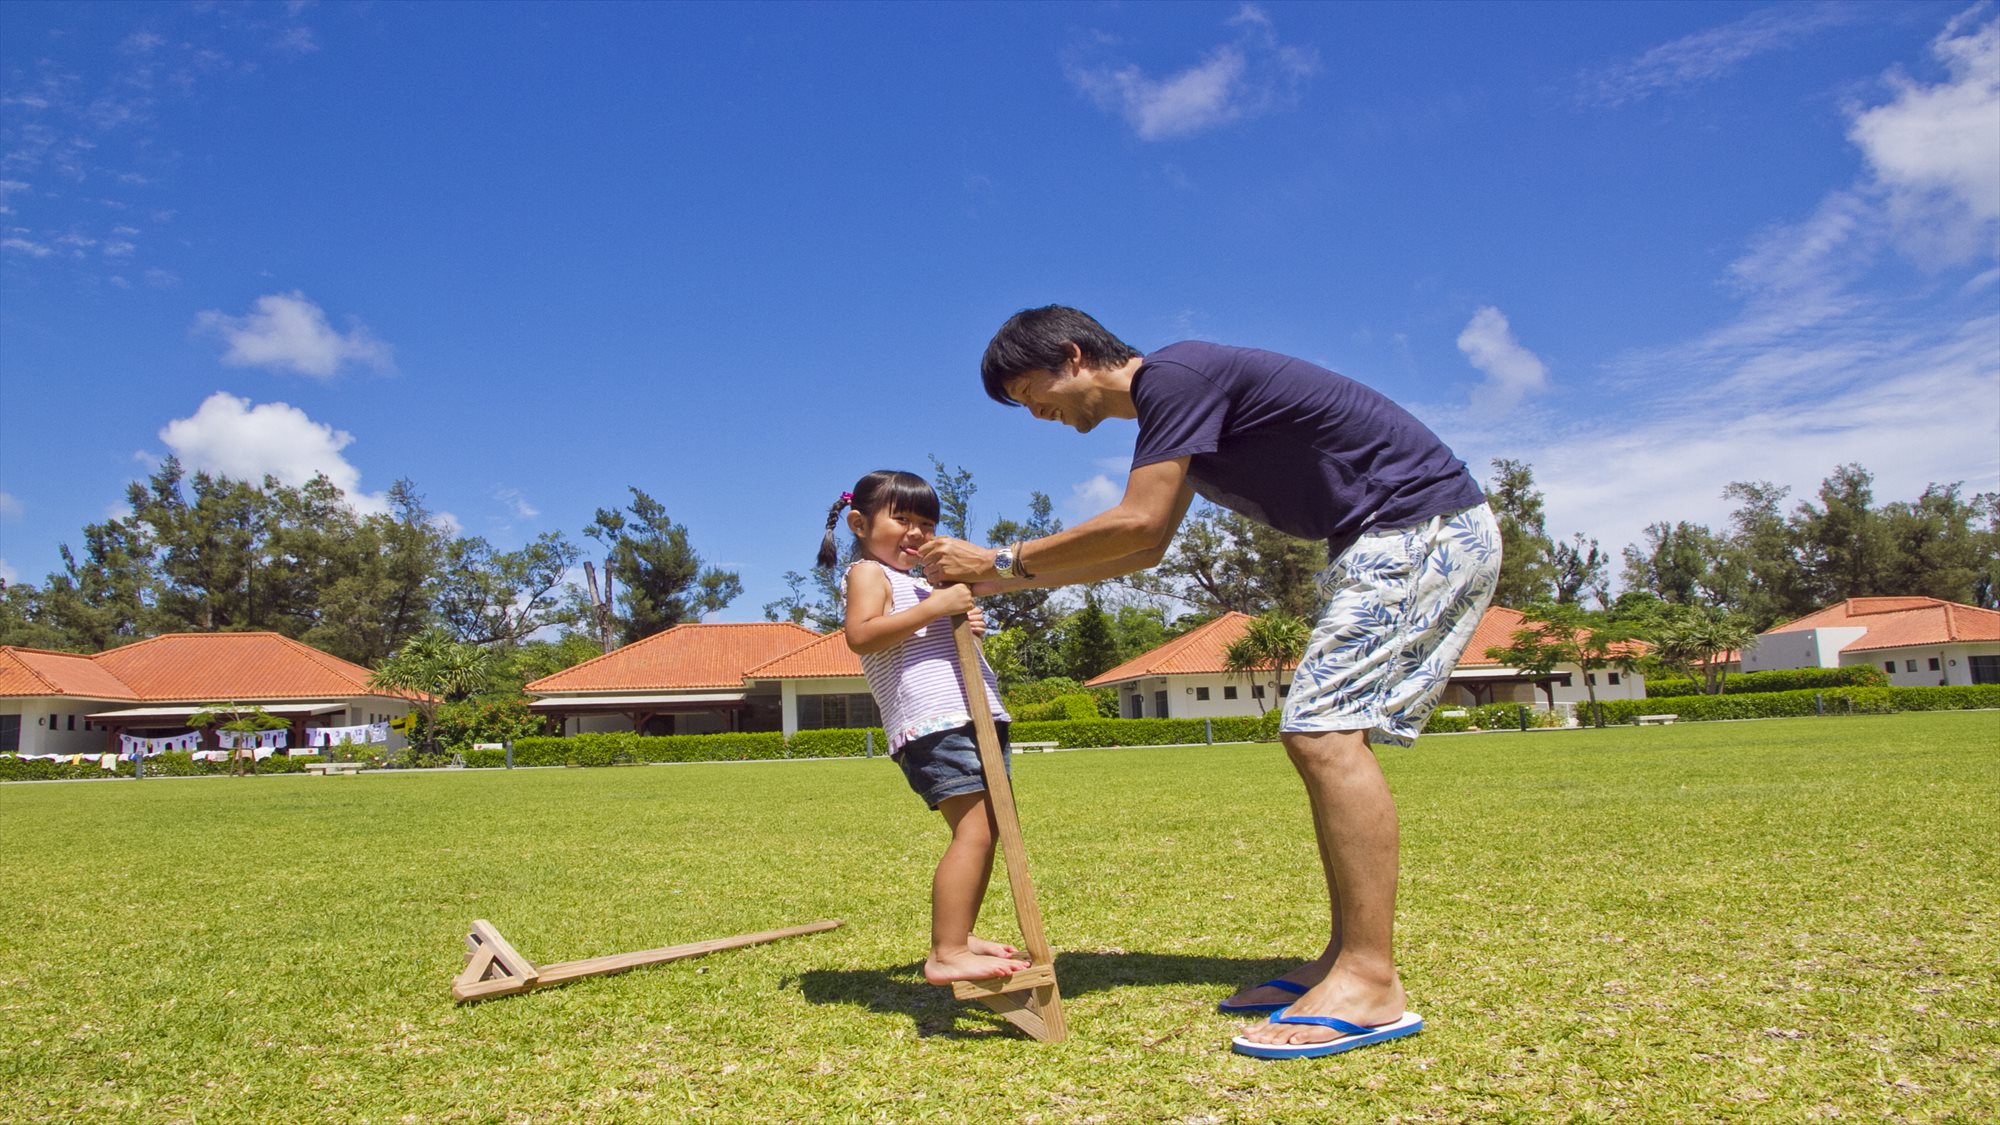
(1352, 1035)
(1228, 1009)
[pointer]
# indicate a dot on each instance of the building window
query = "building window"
(1256, 691)
(55, 721)
(1909, 665)
(1934, 663)
(1614, 679)
(1984, 669)
(1590, 678)
(1229, 692)
(10, 733)
(835, 712)
(1201, 693)
(1888, 665)
(1284, 690)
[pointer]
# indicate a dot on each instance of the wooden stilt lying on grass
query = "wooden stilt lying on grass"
(495, 968)
(1029, 999)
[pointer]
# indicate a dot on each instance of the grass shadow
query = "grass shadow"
(902, 989)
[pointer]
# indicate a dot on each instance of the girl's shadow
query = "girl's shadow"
(902, 989)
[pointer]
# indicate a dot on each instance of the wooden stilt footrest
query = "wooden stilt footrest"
(495, 968)
(1029, 999)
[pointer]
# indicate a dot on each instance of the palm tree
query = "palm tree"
(1272, 643)
(432, 668)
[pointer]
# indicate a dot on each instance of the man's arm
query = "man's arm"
(1133, 536)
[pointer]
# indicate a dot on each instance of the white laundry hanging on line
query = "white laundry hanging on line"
(107, 761)
(343, 736)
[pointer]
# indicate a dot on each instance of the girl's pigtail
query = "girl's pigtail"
(829, 552)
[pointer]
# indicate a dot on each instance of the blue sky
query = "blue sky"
(527, 255)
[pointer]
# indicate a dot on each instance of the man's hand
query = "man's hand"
(955, 560)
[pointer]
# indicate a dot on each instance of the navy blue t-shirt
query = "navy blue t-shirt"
(1293, 445)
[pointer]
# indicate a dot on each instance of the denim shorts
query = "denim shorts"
(946, 764)
(1401, 608)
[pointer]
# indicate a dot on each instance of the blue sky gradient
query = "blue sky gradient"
(527, 255)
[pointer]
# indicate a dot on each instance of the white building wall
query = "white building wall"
(1923, 665)
(57, 725)
(1800, 648)
(1630, 685)
(1184, 695)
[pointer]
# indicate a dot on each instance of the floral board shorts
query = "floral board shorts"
(946, 763)
(1402, 605)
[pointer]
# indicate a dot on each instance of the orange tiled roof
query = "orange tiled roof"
(1902, 622)
(683, 657)
(1198, 651)
(827, 656)
(33, 671)
(1496, 630)
(206, 667)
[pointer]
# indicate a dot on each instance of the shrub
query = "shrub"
(1142, 732)
(837, 743)
(1771, 705)
(622, 747)
(163, 765)
(1783, 679)
(1078, 705)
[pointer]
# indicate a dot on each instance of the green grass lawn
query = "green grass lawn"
(1778, 921)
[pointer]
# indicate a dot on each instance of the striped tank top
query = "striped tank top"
(917, 684)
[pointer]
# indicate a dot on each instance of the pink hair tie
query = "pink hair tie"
(847, 498)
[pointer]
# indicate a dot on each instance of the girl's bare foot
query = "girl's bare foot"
(964, 964)
(980, 945)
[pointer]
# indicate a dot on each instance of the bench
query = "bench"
(1650, 720)
(328, 769)
(1035, 746)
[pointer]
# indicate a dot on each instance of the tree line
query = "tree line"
(205, 553)
(199, 552)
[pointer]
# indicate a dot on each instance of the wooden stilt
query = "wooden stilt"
(495, 968)
(1029, 999)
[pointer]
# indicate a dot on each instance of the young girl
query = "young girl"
(901, 629)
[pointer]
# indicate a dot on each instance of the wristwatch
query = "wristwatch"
(1007, 562)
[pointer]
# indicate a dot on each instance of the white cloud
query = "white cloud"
(1707, 55)
(1934, 151)
(1248, 76)
(288, 332)
(1512, 371)
(516, 503)
(227, 436)
(1092, 497)
(8, 575)
(25, 246)
(10, 506)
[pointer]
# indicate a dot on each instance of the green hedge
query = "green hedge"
(1489, 716)
(164, 765)
(1772, 705)
(1076, 706)
(1783, 679)
(836, 743)
(612, 748)
(1144, 732)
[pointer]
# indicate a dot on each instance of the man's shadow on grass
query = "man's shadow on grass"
(902, 989)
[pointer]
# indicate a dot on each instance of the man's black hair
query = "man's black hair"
(1039, 340)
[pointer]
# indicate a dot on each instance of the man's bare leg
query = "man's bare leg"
(1311, 972)
(1355, 817)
